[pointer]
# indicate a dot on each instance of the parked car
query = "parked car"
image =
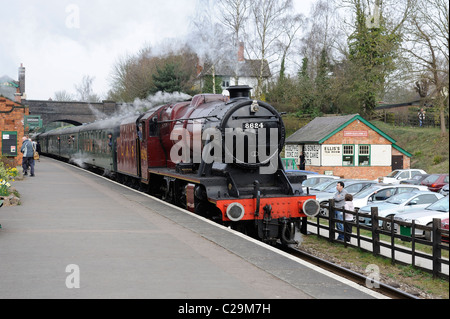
(444, 225)
(321, 186)
(398, 175)
(380, 192)
(415, 180)
(312, 180)
(400, 203)
(435, 182)
(444, 190)
(352, 186)
(423, 217)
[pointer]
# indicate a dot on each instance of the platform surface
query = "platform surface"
(79, 235)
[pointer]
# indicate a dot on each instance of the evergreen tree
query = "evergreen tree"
(168, 78)
(371, 51)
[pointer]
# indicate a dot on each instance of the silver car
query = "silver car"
(424, 216)
(381, 192)
(444, 190)
(400, 203)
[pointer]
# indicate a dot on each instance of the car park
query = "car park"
(424, 216)
(444, 190)
(380, 192)
(396, 176)
(415, 180)
(435, 182)
(400, 203)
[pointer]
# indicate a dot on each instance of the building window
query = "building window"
(364, 155)
(349, 155)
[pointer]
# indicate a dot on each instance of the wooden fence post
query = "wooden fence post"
(436, 238)
(332, 223)
(375, 231)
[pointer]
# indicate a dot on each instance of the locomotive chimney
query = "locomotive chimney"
(239, 91)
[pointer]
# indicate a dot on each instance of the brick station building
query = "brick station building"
(11, 130)
(347, 146)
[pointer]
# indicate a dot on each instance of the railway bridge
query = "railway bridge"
(75, 113)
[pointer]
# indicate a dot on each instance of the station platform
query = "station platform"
(79, 235)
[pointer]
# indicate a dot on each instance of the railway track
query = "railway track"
(356, 277)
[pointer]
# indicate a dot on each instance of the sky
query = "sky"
(59, 42)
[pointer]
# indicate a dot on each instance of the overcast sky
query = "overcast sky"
(60, 41)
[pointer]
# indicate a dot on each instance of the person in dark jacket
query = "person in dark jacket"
(28, 156)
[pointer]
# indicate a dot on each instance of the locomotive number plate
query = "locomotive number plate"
(250, 125)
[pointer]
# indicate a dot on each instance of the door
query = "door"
(397, 162)
(143, 151)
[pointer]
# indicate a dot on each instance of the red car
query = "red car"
(444, 225)
(434, 182)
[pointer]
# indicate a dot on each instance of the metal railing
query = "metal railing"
(374, 230)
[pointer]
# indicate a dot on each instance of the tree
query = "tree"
(85, 91)
(168, 78)
(428, 49)
(372, 49)
(133, 77)
(63, 96)
(233, 17)
(267, 21)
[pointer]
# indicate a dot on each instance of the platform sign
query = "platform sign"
(9, 144)
(33, 121)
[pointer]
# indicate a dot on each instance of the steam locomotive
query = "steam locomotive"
(216, 156)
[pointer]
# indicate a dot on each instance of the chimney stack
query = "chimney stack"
(241, 52)
(22, 79)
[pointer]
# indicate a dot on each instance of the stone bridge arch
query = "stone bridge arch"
(75, 113)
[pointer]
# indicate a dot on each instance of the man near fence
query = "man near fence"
(339, 202)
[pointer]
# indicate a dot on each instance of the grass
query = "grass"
(429, 149)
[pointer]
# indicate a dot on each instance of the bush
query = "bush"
(437, 159)
(6, 175)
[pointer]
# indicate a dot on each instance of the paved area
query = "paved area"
(78, 235)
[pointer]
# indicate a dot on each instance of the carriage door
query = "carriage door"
(143, 137)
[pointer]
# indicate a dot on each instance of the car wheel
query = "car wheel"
(323, 210)
(428, 234)
(387, 224)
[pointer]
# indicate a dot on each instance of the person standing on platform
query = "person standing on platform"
(28, 156)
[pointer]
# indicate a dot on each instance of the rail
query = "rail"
(396, 232)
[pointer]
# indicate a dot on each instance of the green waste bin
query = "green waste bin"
(405, 231)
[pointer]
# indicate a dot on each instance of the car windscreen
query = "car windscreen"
(366, 192)
(441, 205)
(392, 174)
(399, 198)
